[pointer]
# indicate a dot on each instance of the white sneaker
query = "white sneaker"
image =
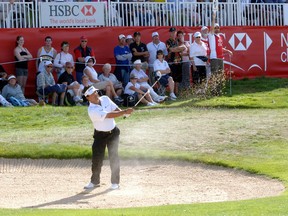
(173, 96)
(150, 104)
(115, 186)
(77, 99)
(90, 185)
(154, 103)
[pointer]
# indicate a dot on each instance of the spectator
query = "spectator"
(107, 86)
(198, 55)
(22, 55)
(13, 93)
(174, 58)
(134, 89)
(129, 40)
(73, 87)
(81, 52)
(216, 48)
(205, 39)
(63, 57)
(45, 53)
(46, 85)
(186, 65)
(107, 76)
(85, 83)
(152, 48)
(3, 80)
(142, 79)
(139, 51)
(4, 102)
(166, 80)
(122, 56)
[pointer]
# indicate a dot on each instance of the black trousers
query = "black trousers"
(101, 140)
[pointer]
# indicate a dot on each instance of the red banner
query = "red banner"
(257, 51)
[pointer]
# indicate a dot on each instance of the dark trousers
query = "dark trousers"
(200, 75)
(101, 140)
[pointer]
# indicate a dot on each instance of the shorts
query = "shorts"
(164, 80)
(58, 88)
(21, 72)
(101, 85)
(176, 72)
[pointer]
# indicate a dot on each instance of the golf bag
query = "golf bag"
(129, 100)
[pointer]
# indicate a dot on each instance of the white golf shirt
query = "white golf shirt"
(153, 48)
(97, 114)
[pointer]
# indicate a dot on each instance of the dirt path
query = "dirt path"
(59, 184)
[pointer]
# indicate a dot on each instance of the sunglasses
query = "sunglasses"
(84, 41)
(198, 37)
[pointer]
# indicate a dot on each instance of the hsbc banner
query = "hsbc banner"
(56, 14)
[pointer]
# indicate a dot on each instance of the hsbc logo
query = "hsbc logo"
(88, 10)
(240, 41)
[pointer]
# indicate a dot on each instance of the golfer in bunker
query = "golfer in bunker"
(102, 111)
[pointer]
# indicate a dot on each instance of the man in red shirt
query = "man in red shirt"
(80, 53)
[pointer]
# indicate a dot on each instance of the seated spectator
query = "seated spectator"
(3, 80)
(107, 86)
(73, 87)
(13, 93)
(4, 102)
(142, 79)
(107, 76)
(46, 85)
(135, 90)
(85, 83)
(166, 80)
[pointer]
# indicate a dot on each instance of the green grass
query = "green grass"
(244, 131)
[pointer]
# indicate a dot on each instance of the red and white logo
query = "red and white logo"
(240, 41)
(88, 10)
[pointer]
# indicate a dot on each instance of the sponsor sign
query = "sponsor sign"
(56, 14)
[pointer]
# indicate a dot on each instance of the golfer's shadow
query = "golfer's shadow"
(76, 199)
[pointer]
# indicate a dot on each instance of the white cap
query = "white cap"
(121, 36)
(204, 28)
(129, 37)
(46, 63)
(11, 77)
(197, 34)
(87, 58)
(155, 34)
(138, 61)
(216, 25)
(90, 91)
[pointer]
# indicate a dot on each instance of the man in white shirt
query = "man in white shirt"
(153, 47)
(102, 111)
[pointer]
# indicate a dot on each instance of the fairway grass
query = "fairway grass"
(252, 136)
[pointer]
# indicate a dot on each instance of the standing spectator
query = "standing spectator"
(174, 58)
(205, 39)
(63, 57)
(129, 40)
(139, 51)
(102, 112)
(81, 52)
(22, 55)
(216, 48)
(166, 80)
(107, 86)
(198, 55)
(73, 87)
(152, 48)
(122, 56)
(45, 53)
(107, 76)
(186, 65)
(13, 92)
(142, 79)
(46, 85)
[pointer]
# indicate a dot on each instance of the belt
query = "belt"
(108, 132)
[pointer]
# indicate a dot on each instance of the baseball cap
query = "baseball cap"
(90, 91)
(129, 37)
(138, 61)
(132, 76)
(46, 63)
(11, 77)
(83, 38)
(216, 25)
(155, 34)
(136, 33)
(197, 34)
(172, 29)
(203, 28)
(121, 36)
